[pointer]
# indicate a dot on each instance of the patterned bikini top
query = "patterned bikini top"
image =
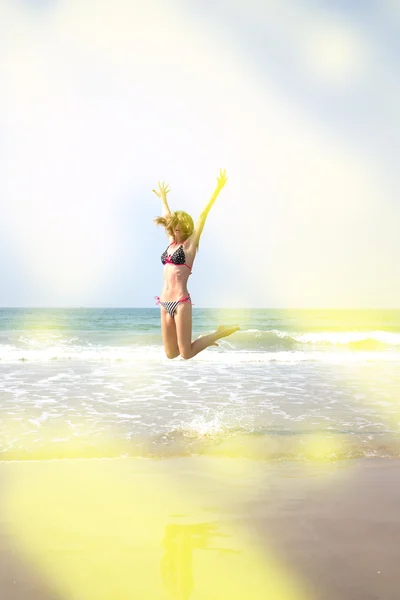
(177, 258)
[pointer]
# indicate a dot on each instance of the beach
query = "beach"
(267, 467)
(203, 526)
(223, 168)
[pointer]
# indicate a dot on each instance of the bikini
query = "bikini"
(177, 258)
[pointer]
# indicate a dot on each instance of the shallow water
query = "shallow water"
(96, 383)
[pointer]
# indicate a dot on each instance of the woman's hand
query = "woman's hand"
(222, 179)
(162, 190)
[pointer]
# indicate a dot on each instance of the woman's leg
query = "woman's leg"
(183, 322)
(168, 330)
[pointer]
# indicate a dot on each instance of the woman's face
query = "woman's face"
(178, 232)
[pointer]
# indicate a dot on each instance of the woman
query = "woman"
(176, 305)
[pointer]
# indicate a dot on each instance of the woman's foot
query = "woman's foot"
(223, 331)
(219, 333)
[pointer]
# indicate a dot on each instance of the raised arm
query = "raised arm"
(221, 181)
(162, 194)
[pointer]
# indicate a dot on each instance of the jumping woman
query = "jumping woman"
(178, 258)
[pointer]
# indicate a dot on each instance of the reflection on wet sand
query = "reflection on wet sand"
(176, 564)
(96, 530)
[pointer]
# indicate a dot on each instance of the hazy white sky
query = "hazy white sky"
(298, 100)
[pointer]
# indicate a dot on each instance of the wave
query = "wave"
(273, 445)
(245, 346)
(276, 339)
(221, 355)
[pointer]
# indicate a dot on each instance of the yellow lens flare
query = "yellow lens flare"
(316, 447)
(321, 448)
(101, 529)
(56, 442)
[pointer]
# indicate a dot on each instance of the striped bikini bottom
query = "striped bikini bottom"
(171, 306)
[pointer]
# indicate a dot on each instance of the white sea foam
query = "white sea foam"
(225, 354)
(341, 337)
(204, 425)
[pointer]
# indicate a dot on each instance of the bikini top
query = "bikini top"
(177, 258)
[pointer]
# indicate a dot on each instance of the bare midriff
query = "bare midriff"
(175, 279)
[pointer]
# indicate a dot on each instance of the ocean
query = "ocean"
(291, 384)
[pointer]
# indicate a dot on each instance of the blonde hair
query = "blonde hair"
(179, 217)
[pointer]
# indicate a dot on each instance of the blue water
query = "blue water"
(291, 384)
(34, 334)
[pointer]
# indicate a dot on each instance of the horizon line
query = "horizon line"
(76, 306)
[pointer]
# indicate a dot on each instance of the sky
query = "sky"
(298, 100)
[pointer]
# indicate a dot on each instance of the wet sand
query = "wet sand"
(199, 528)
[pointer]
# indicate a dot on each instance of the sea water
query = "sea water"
(291, 384)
